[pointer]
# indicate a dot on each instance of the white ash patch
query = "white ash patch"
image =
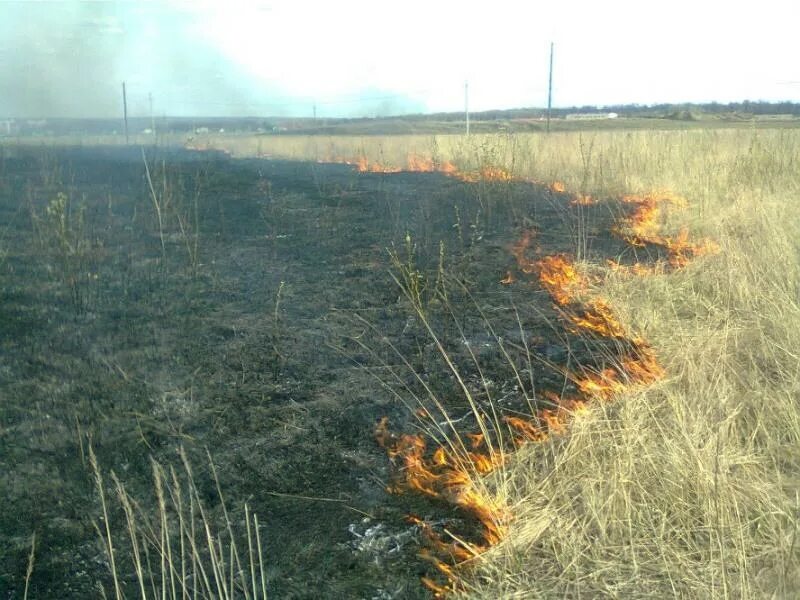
(377, 541)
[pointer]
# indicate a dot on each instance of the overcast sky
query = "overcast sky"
(366, 58)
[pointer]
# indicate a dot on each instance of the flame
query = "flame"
(443, 476)
(596, 316)
(643, 227)
(508, 279)
(636, 269)
(643, 367)
(449, 478)
(527, 431)
(364, 166)
(639, 369)
(559, 278)
(583, 200)
(451, 474)
(485, 464)
(460, 550)
(558, 187)
(602, 385)
(489, 173)
(438, 590)
(547, 421)
(423, 164)
(423, 413)
(420, 164)
(476, 440)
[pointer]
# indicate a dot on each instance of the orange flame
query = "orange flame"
(452, 477)
(596, 316)
(438, 590)
(422, 164)
(583, 200)
(558, 276)
(547, 421)
(489, 173)
(476, 440)
(643, 368)
(638, 269)
(443, 476)
(364, 166)
(447, 478)
(643, 227)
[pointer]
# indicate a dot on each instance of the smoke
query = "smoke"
(46, 58)
(69, 60)
(371, 102)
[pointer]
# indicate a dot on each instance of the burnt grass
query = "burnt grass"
(267, 330)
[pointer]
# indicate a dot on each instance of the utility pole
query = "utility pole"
(466, 103)
(125, 111)
(550, 89)
(315, 113)
(152, 118)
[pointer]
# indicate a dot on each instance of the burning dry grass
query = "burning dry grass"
(688, 486)
(454, 476)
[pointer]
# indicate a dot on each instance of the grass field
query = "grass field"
(689, 487)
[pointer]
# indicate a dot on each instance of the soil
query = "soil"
(259, 321)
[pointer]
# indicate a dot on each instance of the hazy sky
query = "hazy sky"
(355, 58)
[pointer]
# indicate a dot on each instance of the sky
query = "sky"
(376, 58)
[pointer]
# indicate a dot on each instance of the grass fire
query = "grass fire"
(402, 366)
(450, 477)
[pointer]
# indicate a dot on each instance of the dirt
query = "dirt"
(267, 329)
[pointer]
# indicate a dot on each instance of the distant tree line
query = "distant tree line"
(745, 107)
(270, 125)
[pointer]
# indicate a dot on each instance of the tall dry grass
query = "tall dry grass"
(691, 487)
(175, 548)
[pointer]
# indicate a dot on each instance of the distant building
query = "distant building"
(201, 130)
(591, 116)
(8, 126)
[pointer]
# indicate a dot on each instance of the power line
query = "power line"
(466, 104)
(550, 88)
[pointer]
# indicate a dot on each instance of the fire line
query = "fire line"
(452, 474)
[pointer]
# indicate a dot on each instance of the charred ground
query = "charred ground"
(254, 322)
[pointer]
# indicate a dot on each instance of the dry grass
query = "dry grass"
(177, 549)
(688, 488)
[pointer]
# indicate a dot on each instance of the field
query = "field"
(270, 312)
